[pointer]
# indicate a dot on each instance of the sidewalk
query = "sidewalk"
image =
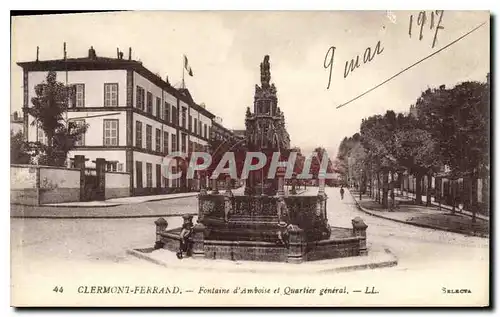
(422, 216)
(119, 208)
(121, 201)
(443, 206)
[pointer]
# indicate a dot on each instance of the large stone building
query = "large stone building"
(135, 117)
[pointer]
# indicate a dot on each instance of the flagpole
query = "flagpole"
(66, 71)
(183, 68)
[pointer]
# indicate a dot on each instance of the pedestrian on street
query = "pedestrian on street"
(342, 192)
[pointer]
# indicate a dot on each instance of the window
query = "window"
(41, 137)
(80, 139)
(158, 175)
(174, 142)
(149, 175)
(120, 167)
(158, 107)
(110, 95)
(110, 132)
(149, 103)
(149, 137)
(175, 182)
(138, 174)
(158, 140)
(183, 119)
(165, 142)
(199, 127)
(175, 119)
(138, 134)
(205, 131)
(183, 144)
(111, 166)
(190, 123)
(78, 95)
(195, 126)
(139, 103)
(166, 116)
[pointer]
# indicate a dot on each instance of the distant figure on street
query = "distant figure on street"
(342, 192)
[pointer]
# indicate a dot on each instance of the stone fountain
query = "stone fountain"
(264, 223)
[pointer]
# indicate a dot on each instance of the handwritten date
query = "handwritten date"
(354, 63)
(436, 17)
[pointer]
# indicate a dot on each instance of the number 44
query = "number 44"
(58, 289)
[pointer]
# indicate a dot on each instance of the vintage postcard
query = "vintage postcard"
(250, 158)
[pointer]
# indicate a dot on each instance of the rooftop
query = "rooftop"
(94, 62)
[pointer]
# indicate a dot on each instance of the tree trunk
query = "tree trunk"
(473, 196)
(385, 189)
(418, 189)
(401, 183)
(428, 194)
(378, 188)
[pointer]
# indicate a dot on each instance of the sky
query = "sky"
(225, 50)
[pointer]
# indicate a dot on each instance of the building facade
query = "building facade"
(16, 123)
(134, 117)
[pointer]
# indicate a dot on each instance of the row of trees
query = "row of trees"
(47, 108)
(450, 127)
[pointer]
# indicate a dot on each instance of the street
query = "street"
(49, 252)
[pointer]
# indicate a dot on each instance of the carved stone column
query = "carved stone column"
(228, 185)
(296, 244)
(203, 188)
(198, 241)
(321, 184)
(228, 205)
(281, 186)
(215, 189)
(161, 226)
(359, 230)
(293, 191)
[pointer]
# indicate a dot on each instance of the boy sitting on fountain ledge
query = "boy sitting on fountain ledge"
(186, 232)
(283, 222)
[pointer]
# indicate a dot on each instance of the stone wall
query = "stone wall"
(117, 185)
(35, 185)
(331, 249)
(23, 184)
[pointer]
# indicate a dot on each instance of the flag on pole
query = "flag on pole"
(187, 67)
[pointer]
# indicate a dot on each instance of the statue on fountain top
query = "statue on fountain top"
(265, 72)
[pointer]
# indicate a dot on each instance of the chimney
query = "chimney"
(442, 87)
(129, 53)
(117, 53)
(37, 52)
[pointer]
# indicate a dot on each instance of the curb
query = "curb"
(290, 267)
(120, 204)
(105, 217)
(106, 205)
(371, 213)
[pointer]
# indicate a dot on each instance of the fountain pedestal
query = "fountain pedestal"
(265, 224)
